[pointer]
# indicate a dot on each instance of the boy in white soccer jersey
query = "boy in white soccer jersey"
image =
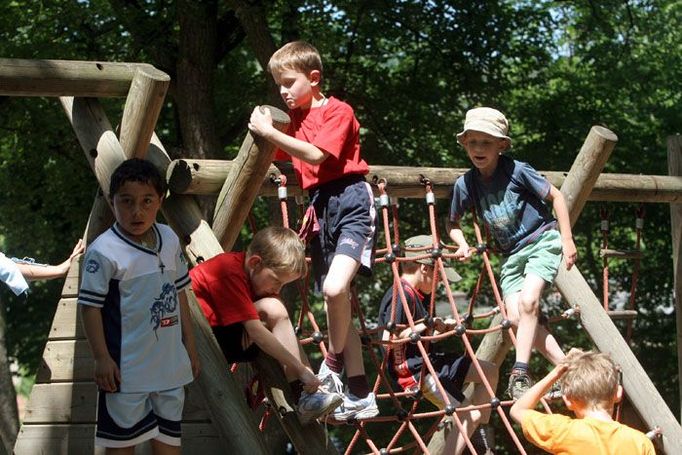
(136, 318)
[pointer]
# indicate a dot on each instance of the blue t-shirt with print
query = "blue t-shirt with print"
(511, 203)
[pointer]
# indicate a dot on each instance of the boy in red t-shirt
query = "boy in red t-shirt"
(239, 295)
(323, 142)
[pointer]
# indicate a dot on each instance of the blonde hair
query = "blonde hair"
(280, 249)
(591, 377)
(296, 55)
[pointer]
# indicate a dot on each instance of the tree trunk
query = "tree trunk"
(195, 72)
(9, 414)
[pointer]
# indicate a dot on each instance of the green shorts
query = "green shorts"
(541, 258)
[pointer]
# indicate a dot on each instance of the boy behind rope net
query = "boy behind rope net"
(405, 360)
(590, 385)
(509, 196)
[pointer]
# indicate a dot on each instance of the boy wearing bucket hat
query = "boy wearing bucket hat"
(510, 197)
(405, 360)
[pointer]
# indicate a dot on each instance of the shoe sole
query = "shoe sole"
(366, 413)
(335, 403)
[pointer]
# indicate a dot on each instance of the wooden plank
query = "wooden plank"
(74, 402)
(80, 439)
(66, 361)
(66, 323)
(675, 170)
(206, 177)
(21, 77)
(71, 282)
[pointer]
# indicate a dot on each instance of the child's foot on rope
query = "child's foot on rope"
(356, 408)
(317, 405)
(519, 383)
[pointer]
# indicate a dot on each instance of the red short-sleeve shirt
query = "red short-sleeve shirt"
(334, 129)
(223, 290)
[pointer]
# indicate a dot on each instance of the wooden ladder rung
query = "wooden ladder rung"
(622, 314)
(607, 253)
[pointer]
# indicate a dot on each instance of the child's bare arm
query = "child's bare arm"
(107, 374)
(563, 218)
(188, 334)
(530, 399)
(463, 251)
(40, 272)
(261, 124)
(269, 344)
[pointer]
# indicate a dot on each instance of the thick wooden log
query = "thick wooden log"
(239, 191)
(20, 77)
(142, 108)
(586, 169)
(639, 389)
(675, 170)
(96, 136)
(206, 177)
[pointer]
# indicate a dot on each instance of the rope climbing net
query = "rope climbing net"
(406, 411)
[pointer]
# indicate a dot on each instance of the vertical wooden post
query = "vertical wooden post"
(675, 169)
(241, 187)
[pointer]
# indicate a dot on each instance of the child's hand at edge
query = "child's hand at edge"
(107, 374)
(570, 252)
(464, 252)
(309, 380)
(260, 122)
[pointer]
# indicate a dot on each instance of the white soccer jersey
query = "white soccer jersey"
(137, 290)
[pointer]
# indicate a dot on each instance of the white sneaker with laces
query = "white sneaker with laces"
(331, 382)
(356, 408)
(313, 406)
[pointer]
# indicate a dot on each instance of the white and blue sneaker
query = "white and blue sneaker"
(331, 382)
(317, 405)
(356, 408)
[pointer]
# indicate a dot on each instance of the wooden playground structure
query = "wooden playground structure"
(60, 413)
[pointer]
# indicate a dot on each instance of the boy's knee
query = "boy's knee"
(528, 304)
(271, 310)
(333, 290)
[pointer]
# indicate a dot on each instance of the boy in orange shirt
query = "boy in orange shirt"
(590, 386)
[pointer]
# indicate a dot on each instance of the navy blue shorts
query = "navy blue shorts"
(347, 218)
(451, 370)
(231, 341)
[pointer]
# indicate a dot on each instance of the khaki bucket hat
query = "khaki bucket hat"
(486, 120)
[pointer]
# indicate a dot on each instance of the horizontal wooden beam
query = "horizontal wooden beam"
(21, 77)
(193, 176)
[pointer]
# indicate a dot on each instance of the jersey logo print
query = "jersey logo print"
(165, 304)
(92, 266)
